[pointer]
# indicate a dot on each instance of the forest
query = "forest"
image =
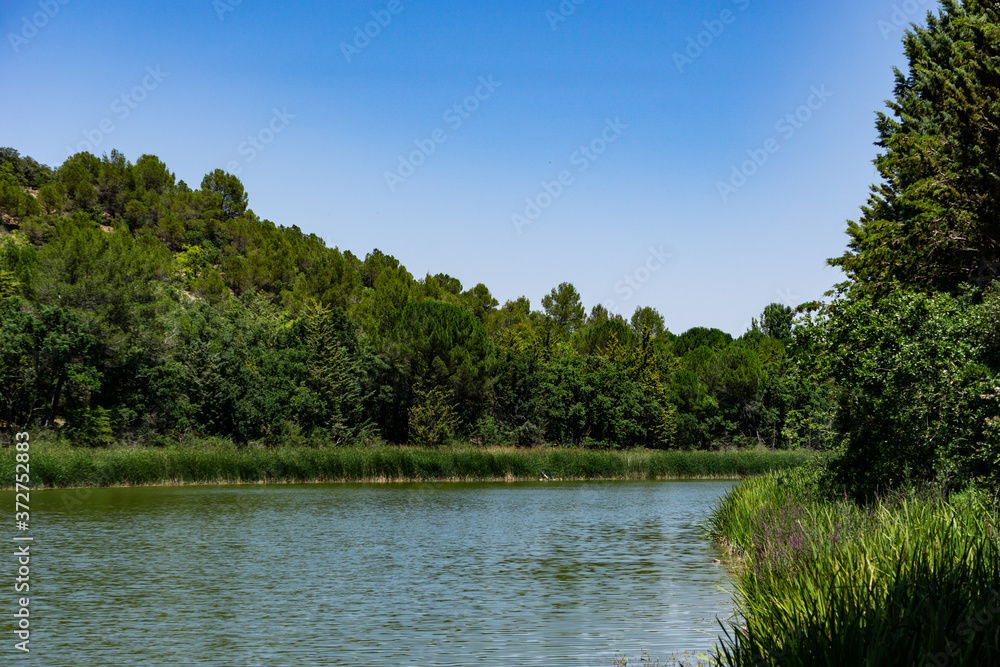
(137, 309)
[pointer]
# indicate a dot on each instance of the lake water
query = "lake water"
(407, 574)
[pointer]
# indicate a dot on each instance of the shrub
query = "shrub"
(432, 419)
(90, 427)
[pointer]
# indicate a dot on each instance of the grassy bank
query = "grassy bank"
(56, 465)
(907, 581)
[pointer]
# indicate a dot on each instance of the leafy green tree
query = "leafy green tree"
(432, 419)
(52, 197)
(227, 192)
(918, 389)
(243, 371)
(598, 338)
(210, 286)
(438, 344)
(598, 315)
(450, 285)
(18, 261)
(644, 370)
(776, 321)
(116, 281)
(696, 337)
(511, 327)
(115, 184)
(743, 377)
(90, 427)
(931, 223)
(153, 175)
(513, 396)
(8, 285)
(375, 263)
(14, 201)
(563, 307)
(28, 172)
(480, 301)
(645, 318)
(332, 373)
(596, 402)
(696, 409)
(79, 174)
(45, 363)
(382, 307)
(323, 274)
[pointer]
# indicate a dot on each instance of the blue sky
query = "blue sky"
(588, 144)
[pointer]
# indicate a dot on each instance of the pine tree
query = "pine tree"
(331, 372)
(934, 221)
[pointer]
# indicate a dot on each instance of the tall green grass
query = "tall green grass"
(907, 581)
(54, 465)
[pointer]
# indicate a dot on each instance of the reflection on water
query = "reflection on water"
(431, 574)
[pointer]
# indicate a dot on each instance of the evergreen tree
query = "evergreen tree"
(563, 307)
(331, 373)
(933, 222)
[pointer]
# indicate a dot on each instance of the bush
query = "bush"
(528, 434)
(918, 399)
(432, 419)
(90, 427)
(489, 434)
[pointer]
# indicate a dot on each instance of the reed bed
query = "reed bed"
(54, 465)
(905, 581)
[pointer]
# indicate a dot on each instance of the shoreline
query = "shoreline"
(388, 481)
(60, 467)
(907, 574)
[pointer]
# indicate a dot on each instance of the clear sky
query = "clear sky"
(588, 143)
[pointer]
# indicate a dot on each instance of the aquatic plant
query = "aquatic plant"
(908, 580)
(56, 465)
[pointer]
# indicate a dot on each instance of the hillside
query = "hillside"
(135, 307)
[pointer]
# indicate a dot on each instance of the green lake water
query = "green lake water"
(404, 574)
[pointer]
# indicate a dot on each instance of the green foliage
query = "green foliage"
(18, 260)
(563, 308)
(480, 301)
(599, 337)
(78, 175)
(904, 581)
(931, 223)
(643, 369)
(647, 319)
(90, 427)
(918, 395)
(52, 197)
(333, 375)
(713, 339)
(383, 305)
(226, 192)
(776, 321)
(14, 201)
(46, 363)
(193, 315)
(28, 172)
(444, 346)
(511, 327)
(432, 420)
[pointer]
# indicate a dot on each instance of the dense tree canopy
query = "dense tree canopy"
(911, 342)
(934, 221)
(136, 307)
